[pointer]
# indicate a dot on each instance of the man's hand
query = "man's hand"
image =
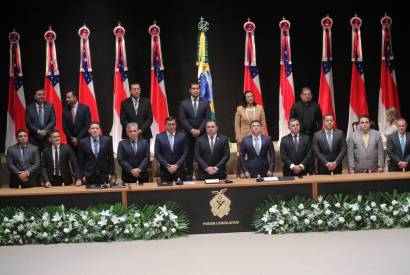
(403, 165)
(297, 169)
(78, 182)
(351, 171)
(247, 174)
(331, 166)
(74, 141)
(380, 169)
(172, 168)
(139, 132)
(211, 170)
(136, 172)
(42, 133)
(269, 174)
(48, 185)
(23, 176)
(195, 132)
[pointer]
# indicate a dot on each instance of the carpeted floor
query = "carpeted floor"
(384, 252)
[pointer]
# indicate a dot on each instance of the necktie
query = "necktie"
(402, 144)
(136, 103)
(23, 152)
(365, 140)
(134, 146)
(41, 115)
(195, 106)
(95, 145)
(56, 162)
(73, 114)
(329, 140)
(171, 141)
(212, 144)
(295, 141)
(257, 146)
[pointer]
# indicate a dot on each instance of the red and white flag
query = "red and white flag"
(358, 98)
(251, 78)
(17, 103)
(52, 81)
(326, 91)
(159, 101)
(286, 87)
(86, 86)
(388, 95)
(121, 87)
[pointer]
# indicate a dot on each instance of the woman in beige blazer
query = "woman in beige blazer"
(245, 114)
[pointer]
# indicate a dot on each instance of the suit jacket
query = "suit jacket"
(254, 164)
(243, 121)
(309, 116)
(16, 164)
(324, 154)
(187, 118)
(78, 129)
(143, 118)
(290, 156)
(218, 157)
(66, 160)
(395, 153)
(33, 122)
(362, 159)
(129, 160)
(163, 151)
(89, 165)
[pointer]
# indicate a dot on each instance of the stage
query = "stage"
(211, 208)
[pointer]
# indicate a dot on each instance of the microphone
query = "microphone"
(179, 182)
(259, 178)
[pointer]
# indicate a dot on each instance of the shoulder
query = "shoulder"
(267, 138)
(319, 133)
(222, 137)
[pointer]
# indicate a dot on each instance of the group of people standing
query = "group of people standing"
(314, 145)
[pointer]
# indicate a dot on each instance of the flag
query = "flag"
(358, 99)
(326, 91)
(158, 94)
(251, 78)
(86, 86)
(204, 72)
(388, 94)
(16, 110)
(121, 88)
(52, 81)
(286, 88)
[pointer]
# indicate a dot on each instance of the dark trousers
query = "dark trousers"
(203, 175)
(96, 179)
(287, 172)
(166, 176)
(128, 178)
(58, 181)
(189, 161)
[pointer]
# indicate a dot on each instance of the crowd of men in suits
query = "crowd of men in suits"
(313, 145)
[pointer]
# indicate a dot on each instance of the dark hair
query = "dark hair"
(211, 120)
(21, 131)
(244, 103)
(364, 116)
(328, 114)
(255, 120)
(193, 83)
(73, 92)
(54, 131)
(95, 122)
(35, 92)
(170, 118)
(135, 83)
(305, 88)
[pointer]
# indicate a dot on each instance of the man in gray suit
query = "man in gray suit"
(365, 149)
(329, 147)
(398, 148)
(23, 162)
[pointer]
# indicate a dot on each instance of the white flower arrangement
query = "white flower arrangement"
(101, 223)
(336, 212)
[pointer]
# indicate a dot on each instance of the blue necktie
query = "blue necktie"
(96, 148)
(257, 146)
(402, 144)
(134, 146)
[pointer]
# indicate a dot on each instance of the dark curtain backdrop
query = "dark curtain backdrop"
(178, 22)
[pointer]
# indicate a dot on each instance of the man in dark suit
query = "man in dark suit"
(133, 156)
(171, 150)
(76, 120)
(307, 112)
(257, 155)
(295, 151)
(58, 163)
(212, 153)
(40, 120)
(398, 147)
(194, 112)
(23, 162)
(136, 109)
(329, 147)
(95, 157)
